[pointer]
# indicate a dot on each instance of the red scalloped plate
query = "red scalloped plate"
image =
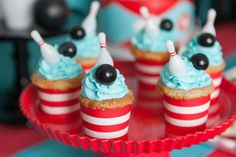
(147, 132)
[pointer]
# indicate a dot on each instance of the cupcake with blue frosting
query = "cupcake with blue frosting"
(186, 88)
(206, 44)
(86, 40)
(58, 78)
(148, 47)
(105, 99)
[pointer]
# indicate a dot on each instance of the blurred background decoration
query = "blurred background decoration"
(51, 14)
(119, 30)
(225, 9)
(19, 53)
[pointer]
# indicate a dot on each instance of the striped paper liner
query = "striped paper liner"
(187, 115)
(217, 79)
(213, 114)
(59, 103)
(105, 124)
(148, 71)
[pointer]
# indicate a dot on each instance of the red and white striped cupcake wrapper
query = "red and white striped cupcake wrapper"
(217, 79)
(148, 71)
(148, 98)
(186, 114)
(213, 114)
(59, 103)
(105, 124)
(87, 67)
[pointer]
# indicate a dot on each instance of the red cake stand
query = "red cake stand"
(148, 134)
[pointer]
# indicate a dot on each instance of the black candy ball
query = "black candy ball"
(77, 33)
(206, 40)
(105, 74)
(51, 14)
(166, 25)
(68, 49)
(200, 61)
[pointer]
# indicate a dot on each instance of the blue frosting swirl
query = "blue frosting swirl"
(96, 91)
(193, 78)
(65, 68)
(156, 45)
(88, 47)
(214, 53)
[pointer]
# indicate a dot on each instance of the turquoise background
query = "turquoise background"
(52, 148)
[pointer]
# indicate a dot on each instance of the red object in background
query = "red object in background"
(154, 6)
(15, 138)
(226, 37)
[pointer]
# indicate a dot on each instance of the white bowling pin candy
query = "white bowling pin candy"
(209, 26)
(176, 64)
(104, 56)
(90, 22)
(49, 53)
(150, 27)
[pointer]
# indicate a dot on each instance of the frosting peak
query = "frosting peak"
(155, 44)
(88, 47)
(214, 53)
(189, 81)
(65, 68)
(96, 91)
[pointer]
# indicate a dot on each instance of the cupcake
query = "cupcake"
(186, 89)
(86, 40)
(105, 99)
(207, 44)
(148, 47)
(57, 78)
